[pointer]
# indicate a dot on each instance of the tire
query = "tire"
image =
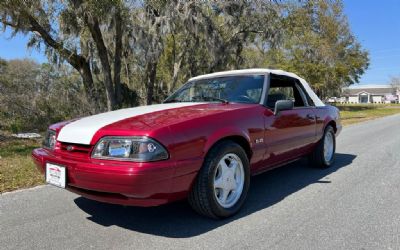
(207, 199)
(318, 158)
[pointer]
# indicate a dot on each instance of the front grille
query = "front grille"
(75, 149)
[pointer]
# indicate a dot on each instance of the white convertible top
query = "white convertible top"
(306, 86)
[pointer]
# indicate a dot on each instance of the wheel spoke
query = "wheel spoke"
(224, 195)
(234, 185)
(224, 168)
(218, 183)
(233, 166)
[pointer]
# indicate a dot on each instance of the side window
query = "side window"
(301, 100)
(285, 88)
(277, 93)
(310, 102)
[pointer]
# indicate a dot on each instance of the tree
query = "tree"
(318, 45)
(395, 83)
(73, 31)
(34, 95)
(128, 52)
(212, 36)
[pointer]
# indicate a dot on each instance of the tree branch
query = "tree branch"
(77, 61)
(74, 59)
(12, 25)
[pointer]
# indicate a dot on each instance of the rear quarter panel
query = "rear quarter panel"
(327, 115)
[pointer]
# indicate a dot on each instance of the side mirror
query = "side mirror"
(283, 105)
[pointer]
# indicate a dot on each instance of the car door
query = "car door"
(288, 134)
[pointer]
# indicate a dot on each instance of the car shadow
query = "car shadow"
(178, 220)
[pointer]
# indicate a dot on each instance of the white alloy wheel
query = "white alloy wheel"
(328, 146)
(228, 180)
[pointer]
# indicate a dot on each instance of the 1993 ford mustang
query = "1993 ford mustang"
(203, 143)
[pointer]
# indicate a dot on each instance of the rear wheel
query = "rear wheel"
(323, 155)
(222, 184)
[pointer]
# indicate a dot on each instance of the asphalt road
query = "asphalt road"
(353, 205)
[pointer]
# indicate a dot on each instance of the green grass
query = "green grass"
(355, 113)
(17, 169)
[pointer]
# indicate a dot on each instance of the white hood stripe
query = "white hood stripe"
(83, 130)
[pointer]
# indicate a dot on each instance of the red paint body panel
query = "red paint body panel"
(141, 184)
(187, 133)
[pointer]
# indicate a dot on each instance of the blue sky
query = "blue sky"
(15, 47)
(376, 24)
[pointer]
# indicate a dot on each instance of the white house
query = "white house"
(370, 94)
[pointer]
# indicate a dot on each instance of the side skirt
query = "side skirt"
(276, 166)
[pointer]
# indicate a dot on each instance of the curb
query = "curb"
(22, 190)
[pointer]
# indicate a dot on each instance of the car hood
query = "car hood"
(138, 120)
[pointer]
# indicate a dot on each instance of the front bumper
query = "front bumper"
(125, 183)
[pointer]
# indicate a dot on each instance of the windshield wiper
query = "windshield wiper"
(209, 98)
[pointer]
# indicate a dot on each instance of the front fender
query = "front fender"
(225, 132)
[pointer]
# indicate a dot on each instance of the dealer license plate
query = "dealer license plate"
(55, 175)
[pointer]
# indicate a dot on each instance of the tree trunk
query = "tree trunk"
(238, 55)
(151, 72)
(117, 59)
(127, 73)
(77, 61)
(85, 71)
(90, 90)
(177, 67)
(94, 28)
(177, 62)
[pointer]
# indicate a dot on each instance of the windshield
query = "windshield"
(242, 89)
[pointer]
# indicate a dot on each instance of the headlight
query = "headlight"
(50, 139)
(139, 149)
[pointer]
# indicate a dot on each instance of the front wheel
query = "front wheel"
(222, 184)
(323, 155)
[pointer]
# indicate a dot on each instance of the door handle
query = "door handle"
(311, 117)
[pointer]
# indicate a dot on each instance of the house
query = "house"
(370, 94)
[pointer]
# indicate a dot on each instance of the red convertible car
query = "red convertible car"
(203, 143)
